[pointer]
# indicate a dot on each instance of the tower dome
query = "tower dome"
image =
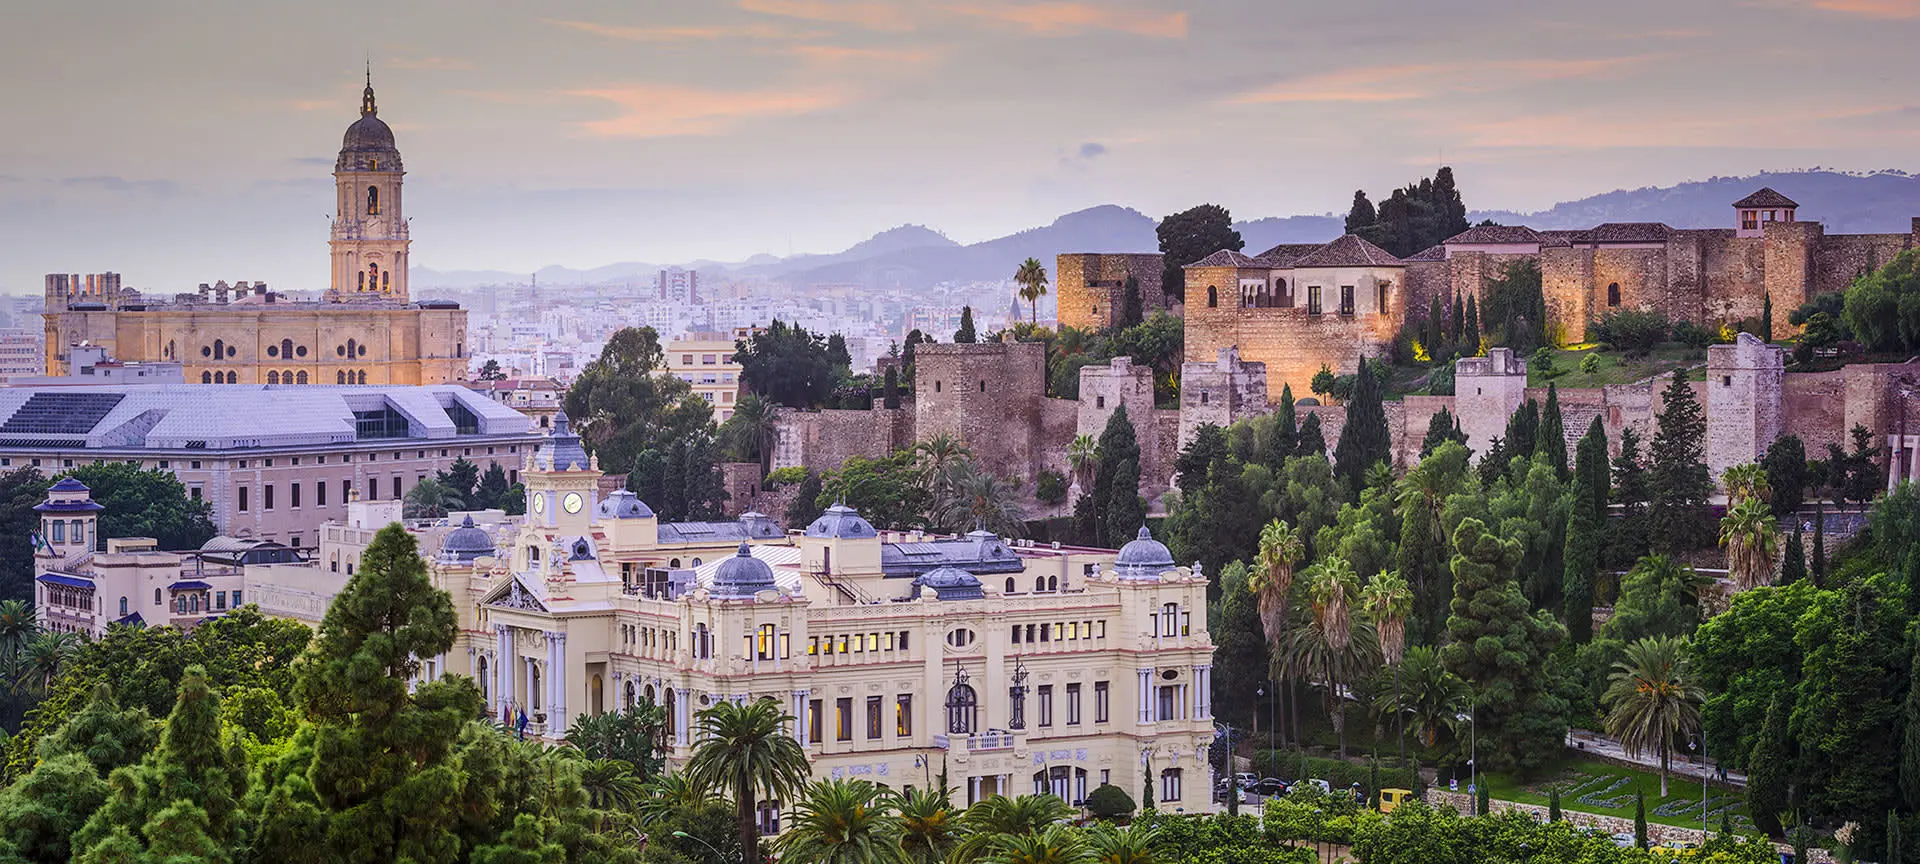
(843, 523)
(368, 144)
(741, 576)
(466, 543)
(1144, 558)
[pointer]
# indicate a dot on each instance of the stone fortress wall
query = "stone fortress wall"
(1089, 286)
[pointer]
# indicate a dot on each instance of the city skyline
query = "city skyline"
(588, 133)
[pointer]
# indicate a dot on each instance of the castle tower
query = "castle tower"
(370, 237)
(1765, 207)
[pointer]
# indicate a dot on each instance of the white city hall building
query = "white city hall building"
(1009, 667)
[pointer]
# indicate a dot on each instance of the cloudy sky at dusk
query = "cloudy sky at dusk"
(181, 142)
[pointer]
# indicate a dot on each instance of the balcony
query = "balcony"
(991, 741)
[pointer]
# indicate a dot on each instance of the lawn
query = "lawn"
(1615, 367)
(1592, 786)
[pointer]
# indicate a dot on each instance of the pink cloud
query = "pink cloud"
(839, 55)
(665, 110)
(684, 33)
(867, 15)
(1869, 8)
(1069, 19)
(440, 64)
(1394, 83)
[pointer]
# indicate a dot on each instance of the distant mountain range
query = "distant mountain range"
(915, 255)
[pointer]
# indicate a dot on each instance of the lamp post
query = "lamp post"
(1701, 741)
(1018, 691)
(1473, 751)
(1273, 752)
(716, 853)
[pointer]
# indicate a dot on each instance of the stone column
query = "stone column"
(503, 670)
(800, 718)
(531, 686)
(1146, 696)
(559, 675)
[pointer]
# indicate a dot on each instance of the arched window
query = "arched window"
(156, 596)
(386, 280)
(627, 698)
(339, 377)
(302, 376)
(373, 200)
(671, 703)
(1039, 583)
(1009, 585)
(1613, 294)
(286, 349)
(362, 377)
(206, 377)
(962, 705)
(170, 349)
(219, 349)
(1213, 297)
(361, 283)
(123, 607)
(273, 377)
(233, 377)
(1053, 583)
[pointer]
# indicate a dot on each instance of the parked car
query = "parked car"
(1624, 840)
(1675, 849)
(1270, 786)
(1246, 778)
(1392, 798)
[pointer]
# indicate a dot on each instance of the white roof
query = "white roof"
(783, 559)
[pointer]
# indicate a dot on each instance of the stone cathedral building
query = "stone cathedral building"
(366, 329)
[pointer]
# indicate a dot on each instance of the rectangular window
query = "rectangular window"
(1101, 702)
(293, 495)
(219, 600)
(903, 715)
(1046, 632)
(266, 496)
(843, 644)
(874, 713)
(1073, 704)
(1380, 298)
(1016, 634)
(1346, 299)
(194, 493)
(813, 722)
(1313, 299)
(1170, 785)
(1045, 695)
(903, 640)
(373, 489)
(1167, 704)
(236, 599)
(843, 719)
(813, 645)
(244, 498)
(396, 489)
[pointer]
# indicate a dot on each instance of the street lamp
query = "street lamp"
(716, 853)
(1473, 752)
(1019, 693)
(1702, 742)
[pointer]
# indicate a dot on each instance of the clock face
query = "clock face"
(539, 503)
(573, 502)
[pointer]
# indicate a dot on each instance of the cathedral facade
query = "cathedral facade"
(366, 329)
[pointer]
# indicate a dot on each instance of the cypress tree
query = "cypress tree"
(1640, 820)
(891, 395)
(1361, 215)
(1553, 805)
(1766, 318)
(1312, 443)
(1117, 513)
(1583, 536)
(1125, 512)
(1819, 544)
(1373, 783)
(1523, 430)
(1801, 837)
(1285, 443)
(1434, 330)
(1454, 323)
(1441, 429)
(1364, 440)
(1470, 338)
(1894, 852)
(1680, 481)
(1552, 438)
(1793, 566)
(1482, 804)
(1146, 793)
(1131, 311)
(1768, 767)
(1910, 738)
(965, 334)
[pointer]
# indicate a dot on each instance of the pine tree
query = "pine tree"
(1910, 739)
(965, 335)
(1364, 441)
(1680, 481)
(1552, 438)
(191, 766)
(1584, 523)
(1793, 565)
(1312, 443)
(491, 494)
(1361, 215)
(1769, 769)
(1285, 443)
(1640, 820)
(890, 394)
(1441, 429)
(1116, 486)
(379, 779)
(1499, 645)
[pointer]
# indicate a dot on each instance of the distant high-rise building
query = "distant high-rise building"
(679, 286)
(21, 353)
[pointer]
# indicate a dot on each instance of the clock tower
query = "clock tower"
(370, 236)
(563, 482)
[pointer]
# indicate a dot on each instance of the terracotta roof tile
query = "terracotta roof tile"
(1225, 258)
(1283, 255)
(1349, 251)
(1431, 253)
(1490, 234)
(1625, 232)
(1766, 197)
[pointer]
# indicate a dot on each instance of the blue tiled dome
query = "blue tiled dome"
(623, 504)
(742, 575)
(1144, 558)
(951, 583)
(466, 542)
(842, 522)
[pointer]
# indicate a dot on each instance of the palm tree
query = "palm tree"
(1032, 277)
(431, 499)
(1427, 694)
(1752, 537)
(1652, 700)
(667, 794)
(940, 460)
(928, 824)
(1082, 454)
(744, 750)
(611, 784)
(46, 654)
(999, 816)
(1746, 481)
(1388, 600)
(843, 822)
(1280, 549)
(1335, 648)
(17, 625)
(1057, 844)
(748, 434)
(1134, 844)
(977, 499)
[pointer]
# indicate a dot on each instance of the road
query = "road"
(1682, 766)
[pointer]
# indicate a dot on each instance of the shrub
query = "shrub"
(1440, 380)
(787, 476)
(1051, 488)
(1693, 335)
(1338, 774)
(1542, 362)
(1590, 364)
(1632, 330)
(1109, 802)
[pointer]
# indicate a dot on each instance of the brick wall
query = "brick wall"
(1815, 407)
(1486, 391)
(825, 440)
(1089, 287)
(1220, 392)
(1103, 389)
(987, 395)
(1744, 389)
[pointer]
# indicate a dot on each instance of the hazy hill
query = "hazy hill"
(916, 255)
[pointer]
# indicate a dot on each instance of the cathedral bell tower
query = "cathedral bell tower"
(370, 237)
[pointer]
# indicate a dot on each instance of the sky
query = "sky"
(186, 141)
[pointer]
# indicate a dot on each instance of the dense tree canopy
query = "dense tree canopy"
(625, 403)
(1190, 235)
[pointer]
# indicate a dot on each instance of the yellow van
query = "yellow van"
(1391, 798)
